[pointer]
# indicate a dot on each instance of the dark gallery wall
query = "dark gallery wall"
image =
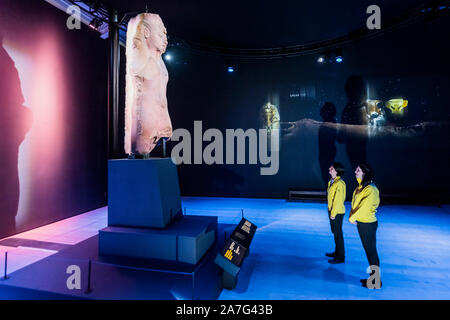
(410, 63)
(53, 98)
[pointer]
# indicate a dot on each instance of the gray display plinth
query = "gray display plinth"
(143, 193)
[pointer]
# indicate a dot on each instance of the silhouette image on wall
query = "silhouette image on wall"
(327, 140)
(15, 122)
(355, 113)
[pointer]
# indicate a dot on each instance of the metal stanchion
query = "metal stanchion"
(193, 285)
(6, 266)
(89, 289)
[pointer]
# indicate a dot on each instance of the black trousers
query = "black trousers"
(367, 233)
(336, 229)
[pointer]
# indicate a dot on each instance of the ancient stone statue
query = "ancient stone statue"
(146, 116)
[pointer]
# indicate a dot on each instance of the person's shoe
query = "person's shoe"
(331, 255)
(336, 261)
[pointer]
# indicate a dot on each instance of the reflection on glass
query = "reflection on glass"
(397, 106)
(270, 117)
(375, 113)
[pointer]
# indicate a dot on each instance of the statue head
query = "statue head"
(150, 32)
(146, 36)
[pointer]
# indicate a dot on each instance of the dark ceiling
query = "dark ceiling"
(263, 23)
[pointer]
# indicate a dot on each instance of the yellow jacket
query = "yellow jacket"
(336, 196)
(365, 203)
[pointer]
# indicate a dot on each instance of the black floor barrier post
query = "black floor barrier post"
(242, 213)
(193, 285)
(89, 290)
(6, 266)
(184, 210)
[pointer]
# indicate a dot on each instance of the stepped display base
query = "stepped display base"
(185, 240)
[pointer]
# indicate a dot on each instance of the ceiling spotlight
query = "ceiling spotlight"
(96, 23)
(339, 55)
(321, 60)
(230, 69)
(167, 57)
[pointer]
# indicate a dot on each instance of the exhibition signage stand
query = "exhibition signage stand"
(232, 255)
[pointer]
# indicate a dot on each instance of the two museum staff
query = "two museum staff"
(365, 201)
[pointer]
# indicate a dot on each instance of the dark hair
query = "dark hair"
(369, 175)
(339, 168)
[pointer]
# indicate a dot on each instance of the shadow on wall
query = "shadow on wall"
(15, 122)
(355, 113)
(327, 141)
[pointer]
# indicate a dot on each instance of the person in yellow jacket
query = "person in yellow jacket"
(336, 210)
(365, 201)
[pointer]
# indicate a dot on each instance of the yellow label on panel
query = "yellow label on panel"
(229, 255)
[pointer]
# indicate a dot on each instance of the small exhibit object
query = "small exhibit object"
(397, 106)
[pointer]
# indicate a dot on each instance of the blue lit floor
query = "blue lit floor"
(287, 253)
(286, 258)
